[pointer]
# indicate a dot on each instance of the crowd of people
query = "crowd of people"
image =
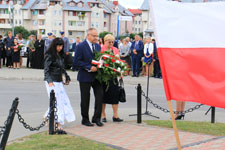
(50, 55)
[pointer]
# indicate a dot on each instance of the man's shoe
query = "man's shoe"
(133, 75)
(88, 124)
(98, 123)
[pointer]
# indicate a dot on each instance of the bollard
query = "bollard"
(139, 104)
(52, 113)
(9, 123)
(213, 115)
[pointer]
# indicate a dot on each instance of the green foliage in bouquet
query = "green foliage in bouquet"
(111, 68)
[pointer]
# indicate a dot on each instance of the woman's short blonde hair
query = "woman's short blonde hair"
(109, 37)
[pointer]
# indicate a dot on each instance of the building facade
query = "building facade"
(137, 20)
(72, 16)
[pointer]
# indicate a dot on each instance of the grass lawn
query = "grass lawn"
(43, 141)
(217, 129)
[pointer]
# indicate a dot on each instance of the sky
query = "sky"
(131, 3)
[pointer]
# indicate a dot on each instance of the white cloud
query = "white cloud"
(135, 4)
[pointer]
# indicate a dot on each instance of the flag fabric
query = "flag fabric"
(191, 48)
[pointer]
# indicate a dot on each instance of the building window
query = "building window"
(15, 21)
(139, 30)
(92, 25)
(54, 32)
(79, 5)
(135, 22)
(72, 23)
(60, 23)
(80, 23)
(71, 4)
(60, 12)
(34, 12)
(96, 24)
(55, 12)
(92, 14)
(105, 24)
(97, 15)
(41, 12)
(15, 12)
(41, 22)
(139, 22)
(70, 33)
(105, 15)
(19, 12)
(34, 22)
(70, 13)
(20, 22)
(74, 13)
(136, 30)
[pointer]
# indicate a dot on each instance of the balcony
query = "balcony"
(5, 26)
(41, 16)
(77, 28)
(4, 16)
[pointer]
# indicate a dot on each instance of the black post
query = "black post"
(52, 113)
(9, 123)
(213, 115)
(139, 103)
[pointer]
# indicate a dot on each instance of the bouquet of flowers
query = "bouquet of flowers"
(20, 45)
(109, 66)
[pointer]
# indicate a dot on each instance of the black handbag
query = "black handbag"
(122, 94)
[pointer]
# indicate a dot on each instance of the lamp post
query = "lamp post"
(11, 17)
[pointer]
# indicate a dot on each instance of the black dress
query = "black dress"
(39, 54)
(111, 96)
(16, 55)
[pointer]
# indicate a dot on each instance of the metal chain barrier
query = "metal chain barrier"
(27, 126)
(166, 110)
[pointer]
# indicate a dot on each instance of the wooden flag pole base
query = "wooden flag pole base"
(174, 125)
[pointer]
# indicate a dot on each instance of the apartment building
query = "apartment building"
(137, 20)
(72, 16)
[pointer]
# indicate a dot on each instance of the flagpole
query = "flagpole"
(174, 125)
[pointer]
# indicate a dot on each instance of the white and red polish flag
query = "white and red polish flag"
(191, 48)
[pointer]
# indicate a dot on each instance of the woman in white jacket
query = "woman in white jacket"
(148, 51)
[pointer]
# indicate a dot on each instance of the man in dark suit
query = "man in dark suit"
(87, 77)
(136, 54)
(9, 51)
(74, 46)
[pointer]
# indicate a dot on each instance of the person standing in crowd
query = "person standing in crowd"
(100, 42)
(48, 41)
(111, 96)
(53, 72)
(148, 51)
(32, 52)
(157, 70)
(87, 77)
(2, 48)
(74, 50)
(128, 41)
(28, 50)
(39, 50)
(20, 41)
(125, 53)
(16, 55)
(9, 49)
(68, 57)
(75, 44)
(136, 54)
(179, 108)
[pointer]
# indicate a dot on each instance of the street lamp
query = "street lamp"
(11, 16)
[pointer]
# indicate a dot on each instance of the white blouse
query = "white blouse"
(149, 47)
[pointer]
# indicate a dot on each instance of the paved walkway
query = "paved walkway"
(132, 136)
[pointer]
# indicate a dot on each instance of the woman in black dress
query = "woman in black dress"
(16, 55)
(39, 52)
(111, 96)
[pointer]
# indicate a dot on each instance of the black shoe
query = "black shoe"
(179, 117)
(104, 120)
(117, 120)
(98, 123)
(133, 75)
(88, 124)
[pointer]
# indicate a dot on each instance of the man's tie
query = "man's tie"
(93, 49)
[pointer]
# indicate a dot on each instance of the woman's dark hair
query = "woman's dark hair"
(52, 48)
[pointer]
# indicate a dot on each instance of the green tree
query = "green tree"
(33, 32)
(103, 34)
(140, 34)
(132, 35)
(19, 29)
